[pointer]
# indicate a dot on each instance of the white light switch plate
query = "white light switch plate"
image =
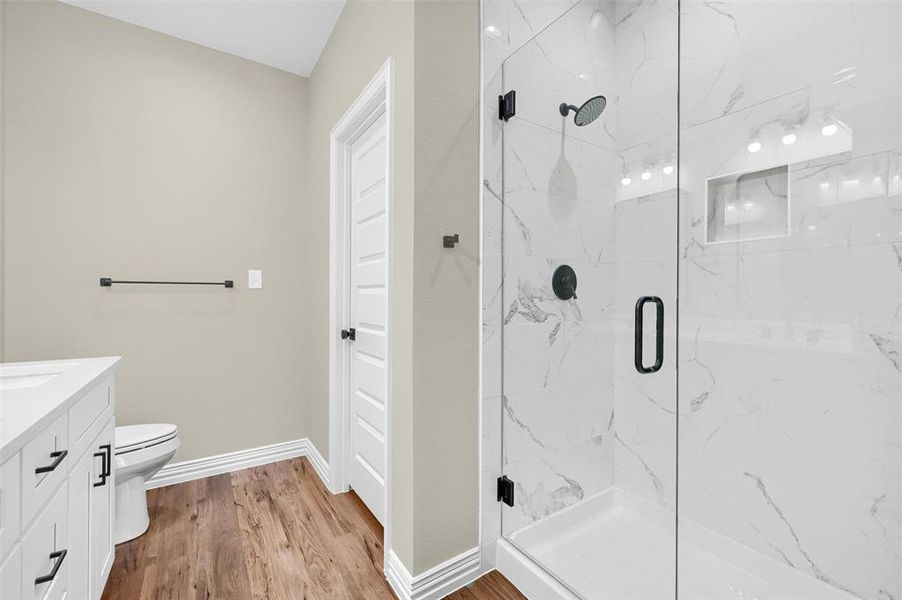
(254, 279)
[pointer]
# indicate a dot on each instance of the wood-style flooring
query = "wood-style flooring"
(268, 532)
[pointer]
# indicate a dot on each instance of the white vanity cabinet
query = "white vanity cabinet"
(10, 553)
(57, 485)
(91, 501)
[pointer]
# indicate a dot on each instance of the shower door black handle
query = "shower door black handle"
(659, 334)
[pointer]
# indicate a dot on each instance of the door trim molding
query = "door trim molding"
(377, 97)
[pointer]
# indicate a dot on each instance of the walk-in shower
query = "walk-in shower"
(718, 413)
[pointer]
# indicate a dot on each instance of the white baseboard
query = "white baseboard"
(435, 583)
(320, 465)
(199, 468)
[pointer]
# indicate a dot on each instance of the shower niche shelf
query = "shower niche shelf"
(748, 206)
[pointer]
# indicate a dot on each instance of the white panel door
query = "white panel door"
(368, 315)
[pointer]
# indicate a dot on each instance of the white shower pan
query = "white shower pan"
(616, 545)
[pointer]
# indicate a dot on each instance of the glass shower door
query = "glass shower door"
(791, 296)
(590, 252)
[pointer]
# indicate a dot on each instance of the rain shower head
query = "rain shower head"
(588, 112)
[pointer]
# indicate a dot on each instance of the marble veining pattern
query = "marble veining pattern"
(790, 346)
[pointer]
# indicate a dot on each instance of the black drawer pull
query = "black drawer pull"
(107, 459)
(58, 458)
(102, 481)
(60, 556)
(659, 334)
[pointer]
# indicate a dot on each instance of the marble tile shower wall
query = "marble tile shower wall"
(560, 188)
(558, 392)
(559, 183)
(645, 228)
(791, 363)
(790, 372)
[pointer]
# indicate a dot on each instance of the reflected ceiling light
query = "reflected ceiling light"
(646, 175)
(789, 138)
(850, 183)
(731, 208)
(493, 31)
(878, 180)
(668, 169)
(749, 205)
(825, 185)
(626, 180)
(829, 129)
(754, 144)
(812, 227)
(596, 19)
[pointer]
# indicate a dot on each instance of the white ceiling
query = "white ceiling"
(285, 34)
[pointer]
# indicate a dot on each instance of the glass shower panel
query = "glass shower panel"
(588, 440)
(790, 374)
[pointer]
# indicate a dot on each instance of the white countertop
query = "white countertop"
(27, 409)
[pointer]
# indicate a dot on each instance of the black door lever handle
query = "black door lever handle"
(349, 334)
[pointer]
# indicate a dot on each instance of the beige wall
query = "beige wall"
(434, 321)
(367, 33)
(2, 170)
(136, 155)
(446, 282)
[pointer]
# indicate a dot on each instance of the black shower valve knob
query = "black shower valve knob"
(564, 282)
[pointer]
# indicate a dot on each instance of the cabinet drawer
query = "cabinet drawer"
(10, 483)
(88, 416)
(11, 576)
(45, 461)
(44, 549)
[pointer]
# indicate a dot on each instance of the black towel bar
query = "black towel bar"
(107, 282)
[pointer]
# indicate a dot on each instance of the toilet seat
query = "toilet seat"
(132, 438)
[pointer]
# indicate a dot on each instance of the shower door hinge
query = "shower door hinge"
(507, 105)
(505, 490)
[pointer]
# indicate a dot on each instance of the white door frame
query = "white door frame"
(376, 98)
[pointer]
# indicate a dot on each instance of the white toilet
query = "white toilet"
(141, 451)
